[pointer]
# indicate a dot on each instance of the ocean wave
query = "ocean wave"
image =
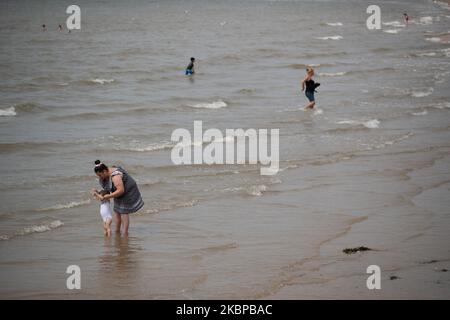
(421, 93)
(441, 106)
(392, 31)
(160, 207)
(424, 21)
(26, 107)
(421, 113)
(446, 52)
(330, 74)
(426, 54)
(213, 105)
(34, 229)
(302, 66)
(8, 112)
(317, 111)
(137, 147)
(254, 190)
(335, 24)
(98, 81)
(369, 124)
(69, 205)
(397, 24)
(330, 38)
(434, 39)
(388, 143)
(257, 190)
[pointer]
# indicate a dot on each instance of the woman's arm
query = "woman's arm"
(303, 84)
(120, 189)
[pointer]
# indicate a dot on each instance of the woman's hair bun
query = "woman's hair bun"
(97, 162)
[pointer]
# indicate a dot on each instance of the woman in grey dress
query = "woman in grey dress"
(124, 191)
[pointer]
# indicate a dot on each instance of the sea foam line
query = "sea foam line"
(34, 229)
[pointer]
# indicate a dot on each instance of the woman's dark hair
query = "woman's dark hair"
(99, 166)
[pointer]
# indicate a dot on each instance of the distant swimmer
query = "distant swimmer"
(60, 28)
(190, 67)
(406, 17)
(44, 27)
(310, 87)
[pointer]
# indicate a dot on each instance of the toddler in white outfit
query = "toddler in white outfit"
(105, 211)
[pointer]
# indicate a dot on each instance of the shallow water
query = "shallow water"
(115, 91)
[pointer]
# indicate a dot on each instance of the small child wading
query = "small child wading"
(105, 211)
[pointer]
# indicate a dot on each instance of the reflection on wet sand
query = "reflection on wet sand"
(118, 261)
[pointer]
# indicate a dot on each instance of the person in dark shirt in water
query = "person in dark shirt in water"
(311, 86)
(406, 18)
(190, 67)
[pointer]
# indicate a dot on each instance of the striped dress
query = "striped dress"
(131, 200)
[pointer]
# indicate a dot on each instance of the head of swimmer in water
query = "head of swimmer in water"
(101, 170)
(310, 71)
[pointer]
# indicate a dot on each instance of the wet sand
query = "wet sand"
(369, 167)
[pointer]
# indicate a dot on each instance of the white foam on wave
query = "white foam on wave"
(370, 124)
(41, 228)
(446, 51)
(213, 105)
(69, 205)
(335, 24)
(151, 147)
(102, 81)
(427, 54)
(390, 142)
(170, 206)
(331, 38)
(257, 190)
(424, 21)
(8, 112)
(317, 111)
(397, 24)
(421, 93)
(422, 113)
(391, 31)
(330, 74)
(441, 106)
(433, 39)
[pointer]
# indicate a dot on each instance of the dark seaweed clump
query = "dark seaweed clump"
(355, 250)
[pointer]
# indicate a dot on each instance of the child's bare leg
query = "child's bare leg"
(108, 227)
(105, 230)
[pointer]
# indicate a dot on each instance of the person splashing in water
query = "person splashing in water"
(309, 87)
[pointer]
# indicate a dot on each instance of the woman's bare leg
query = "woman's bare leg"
(118, 222)
(126, 223)
(311, 105)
